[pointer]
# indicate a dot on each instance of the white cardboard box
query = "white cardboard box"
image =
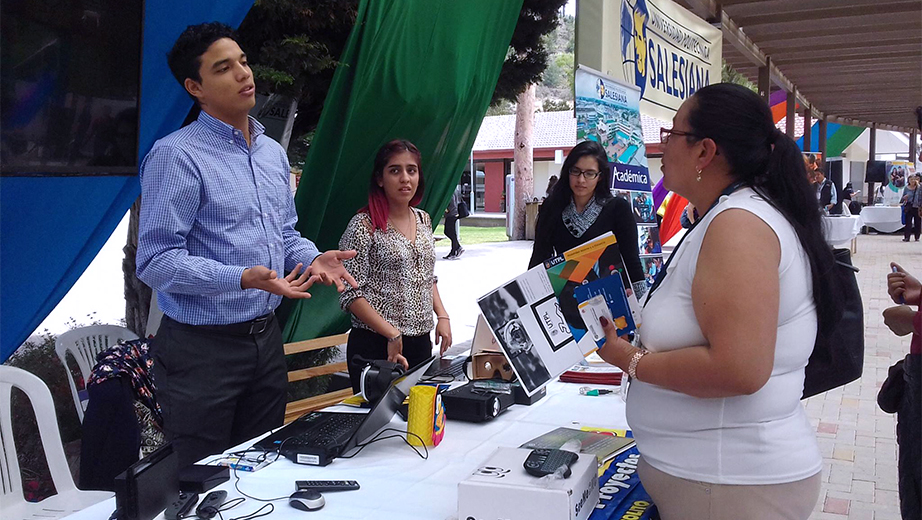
(501, 489)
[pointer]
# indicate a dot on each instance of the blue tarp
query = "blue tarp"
(53, 227)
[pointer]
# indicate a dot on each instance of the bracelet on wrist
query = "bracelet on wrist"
(443, 318)
(635, 359)
(395, 338)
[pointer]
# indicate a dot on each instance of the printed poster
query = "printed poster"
(524, 316)
(608, 112)
(898, 173)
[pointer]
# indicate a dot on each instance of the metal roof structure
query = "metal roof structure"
(851, 61)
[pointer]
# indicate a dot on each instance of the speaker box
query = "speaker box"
(466, 403)
(148, 486)
(521, 397)
(876, 171)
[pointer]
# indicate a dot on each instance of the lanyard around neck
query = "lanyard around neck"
(661, 275)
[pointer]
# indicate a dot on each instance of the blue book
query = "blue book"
(611, 290)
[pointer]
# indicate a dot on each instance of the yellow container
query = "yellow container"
(426, 416)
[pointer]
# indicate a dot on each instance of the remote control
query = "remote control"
(210, 505)
(327, 485)
(545, 461)
(181, 506)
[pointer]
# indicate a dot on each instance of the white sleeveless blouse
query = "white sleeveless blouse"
(763, 438)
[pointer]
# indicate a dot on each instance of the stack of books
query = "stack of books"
(593, 375)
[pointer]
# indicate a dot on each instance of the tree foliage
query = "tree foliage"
(730, 75)
(295, 47)
(528, 52)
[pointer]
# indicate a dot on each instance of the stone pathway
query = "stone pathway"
(857, 439)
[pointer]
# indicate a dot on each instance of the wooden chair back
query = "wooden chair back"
(300, 407)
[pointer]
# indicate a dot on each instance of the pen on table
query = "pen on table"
(585, 390)
(895, 270)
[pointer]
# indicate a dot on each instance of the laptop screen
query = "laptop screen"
(383, 411)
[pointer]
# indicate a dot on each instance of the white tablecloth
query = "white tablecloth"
(887, 219)
(840, 230)
(398, 484)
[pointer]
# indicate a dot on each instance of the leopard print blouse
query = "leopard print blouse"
(393, 274)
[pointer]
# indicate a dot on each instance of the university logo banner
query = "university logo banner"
(663, 49)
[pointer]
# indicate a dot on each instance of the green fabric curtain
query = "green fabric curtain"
(422, 70)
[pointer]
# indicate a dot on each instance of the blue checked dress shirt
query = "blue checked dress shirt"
(211, 207)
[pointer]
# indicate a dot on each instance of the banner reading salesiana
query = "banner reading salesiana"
(663, 49)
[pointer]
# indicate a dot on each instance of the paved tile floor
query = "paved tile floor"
(857, 439)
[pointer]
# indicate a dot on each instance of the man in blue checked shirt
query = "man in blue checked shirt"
(216, 235)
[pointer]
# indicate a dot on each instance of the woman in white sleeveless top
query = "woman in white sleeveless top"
(714, 403)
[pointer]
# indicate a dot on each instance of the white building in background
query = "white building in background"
(555, 136)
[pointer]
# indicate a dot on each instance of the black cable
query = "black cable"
(256, 514)
(401, 435)
(438, 379)
(230, 504)
(266, 456)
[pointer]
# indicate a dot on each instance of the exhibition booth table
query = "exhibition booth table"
(395, 482)
(887, 219)
(843, 231)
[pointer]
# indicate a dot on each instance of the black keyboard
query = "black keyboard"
(447, 368)
(334, 428)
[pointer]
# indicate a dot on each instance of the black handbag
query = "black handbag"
(838, 358)
(463, 210)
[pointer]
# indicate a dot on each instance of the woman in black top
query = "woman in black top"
(581, 207)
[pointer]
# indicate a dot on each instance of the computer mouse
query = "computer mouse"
(306, 500)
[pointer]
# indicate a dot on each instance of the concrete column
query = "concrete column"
(808, 135)
(821, 140)
(913, 148)
(872, 156)
(789, 121)
(765, 80)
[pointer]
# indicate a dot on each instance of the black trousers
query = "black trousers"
(451, 231)
(218, 389)
(908, 435)
(913, 222)
(371, 345)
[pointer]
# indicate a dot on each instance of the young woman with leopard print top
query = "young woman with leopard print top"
(393, 305)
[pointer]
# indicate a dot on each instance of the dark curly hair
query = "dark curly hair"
(185, 58)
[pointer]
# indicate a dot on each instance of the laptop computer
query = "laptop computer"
(452, 363)
(316, 438)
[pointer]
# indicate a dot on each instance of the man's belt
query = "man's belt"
(245, 328)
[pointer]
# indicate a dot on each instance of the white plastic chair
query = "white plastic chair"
(84, 344)
(68, 499)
